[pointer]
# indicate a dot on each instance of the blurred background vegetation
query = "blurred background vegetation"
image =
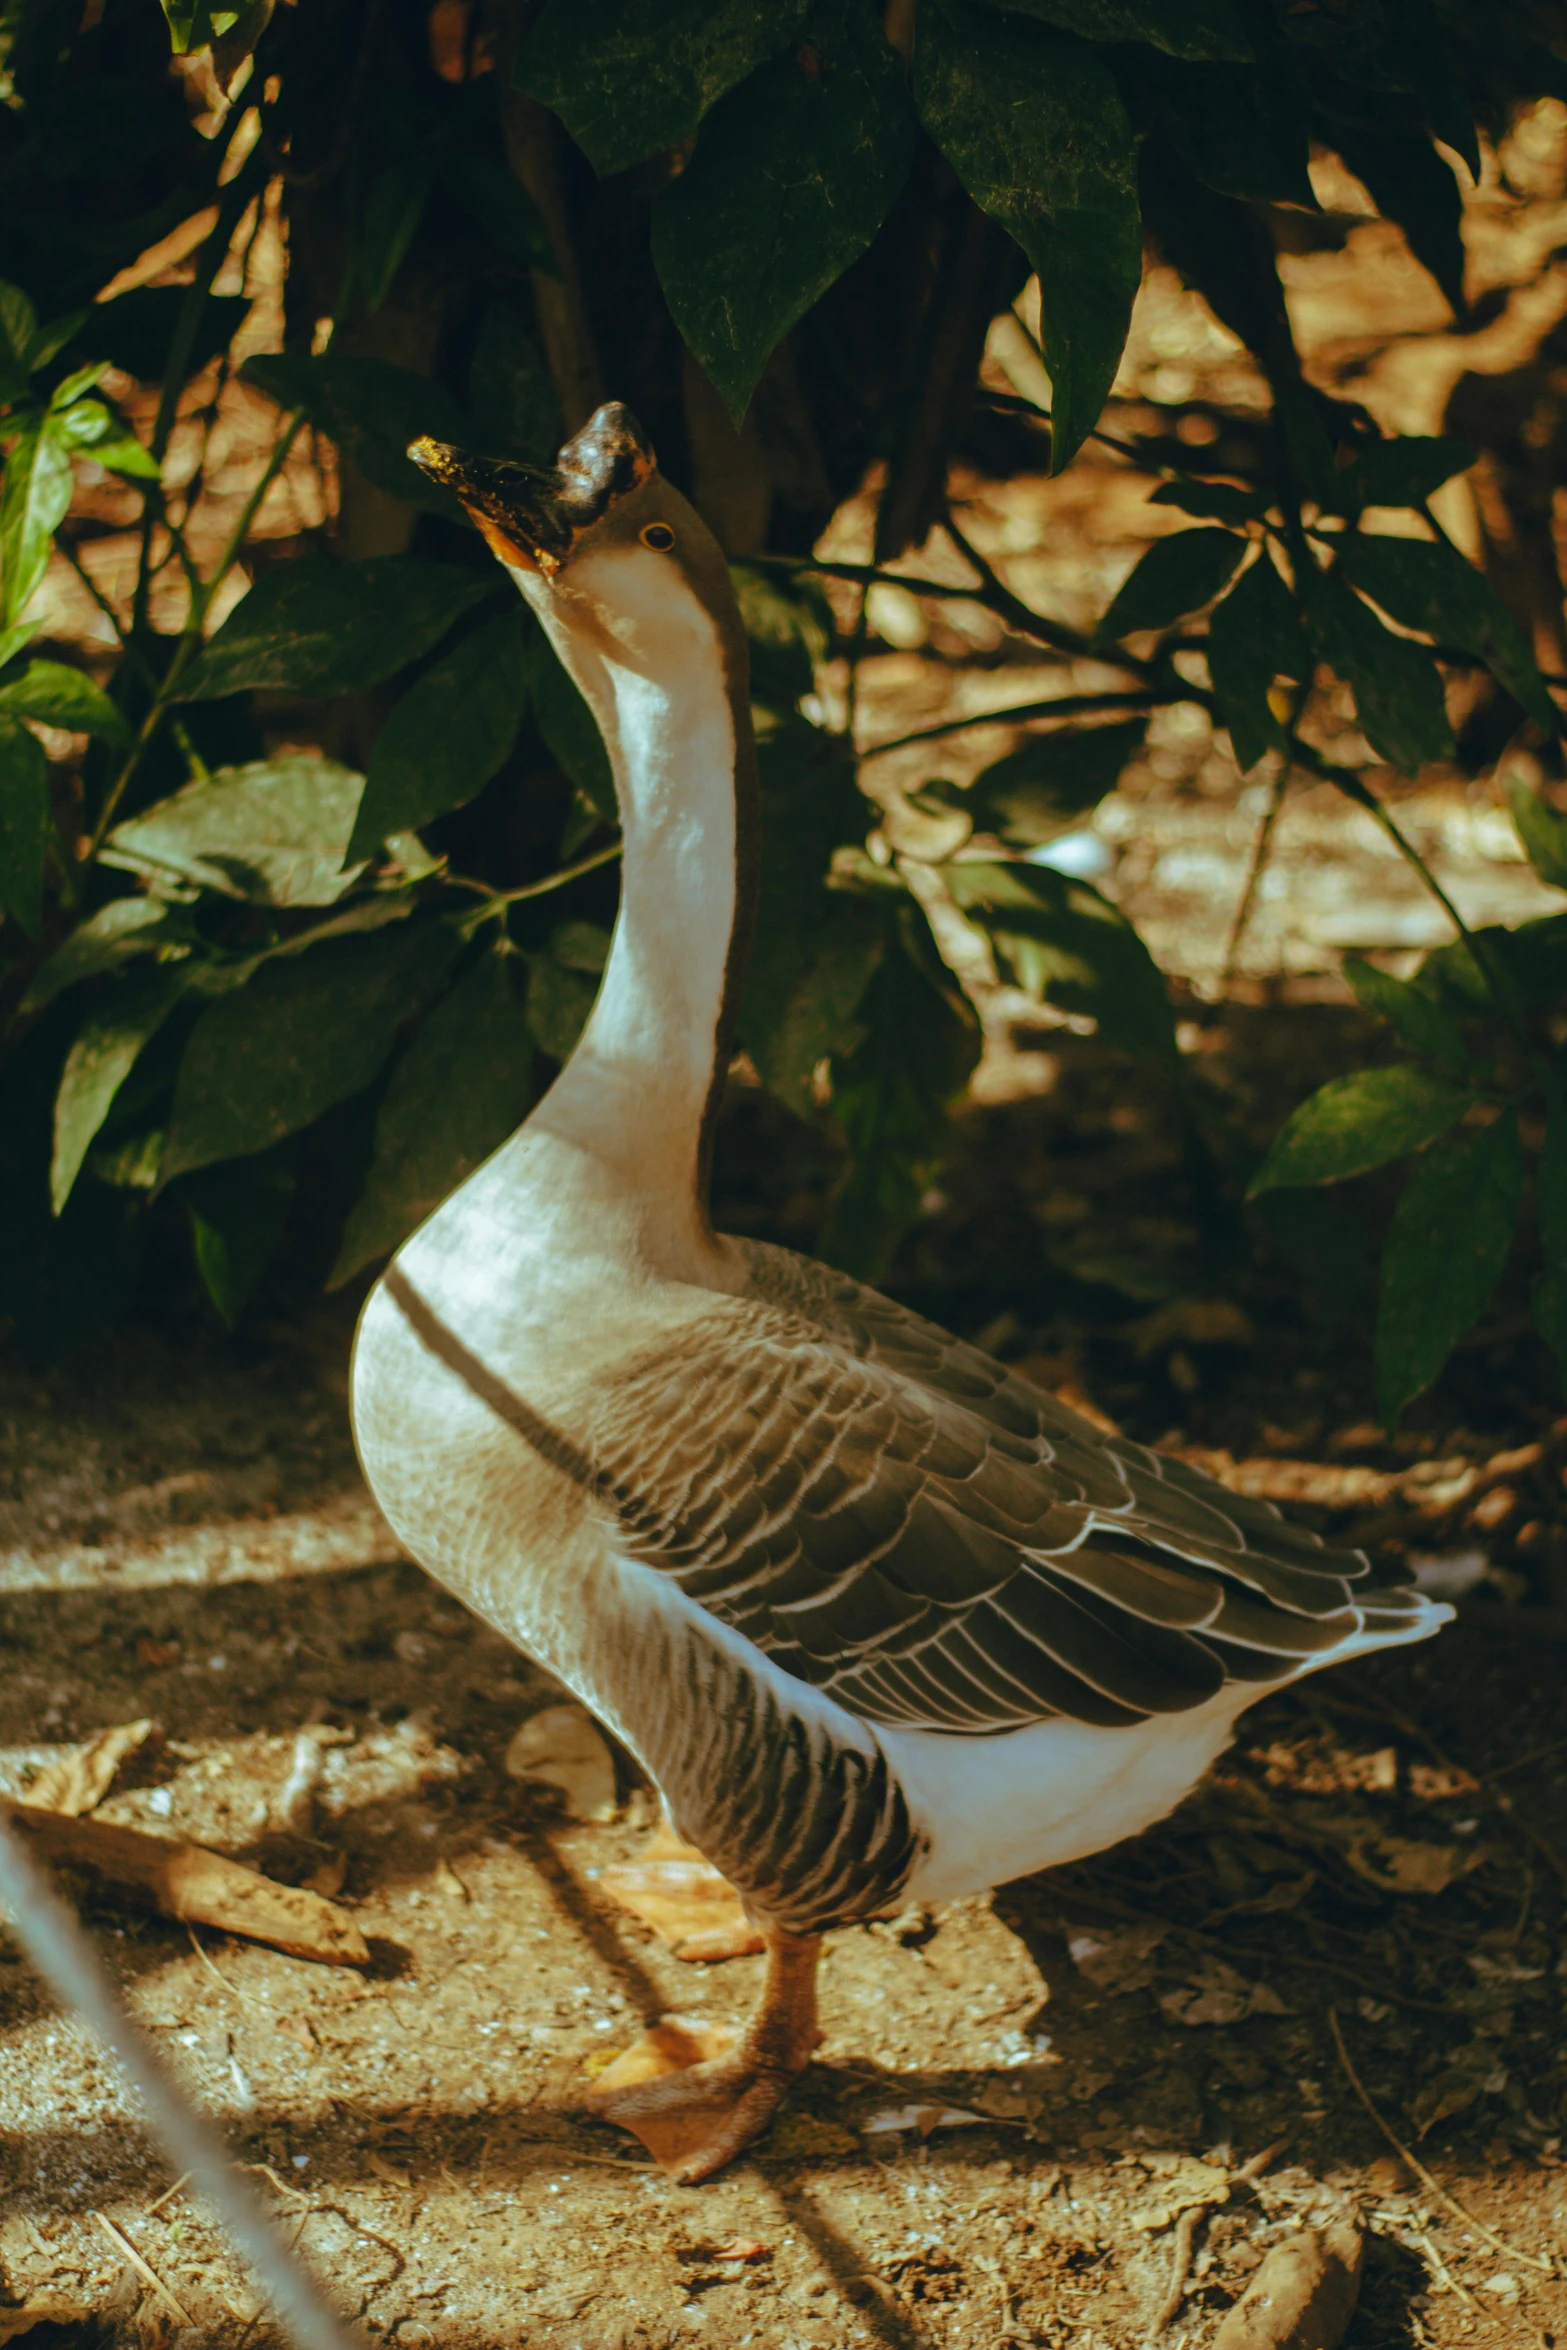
(1136, 430)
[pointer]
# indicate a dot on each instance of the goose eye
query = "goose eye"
(658, 535)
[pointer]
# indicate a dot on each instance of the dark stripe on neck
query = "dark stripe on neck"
(748, 868)
(442, 1341)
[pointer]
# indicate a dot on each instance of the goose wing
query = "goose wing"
(894, 1519)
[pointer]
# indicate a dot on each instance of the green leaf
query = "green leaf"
(640, 77)
(1068, 946)
(1254, 637)
(57, 695)
(1410, 183)
(105, 1052)
(570, 729)
(1357, 1122)
(1044, 788)
(123, 453)
(135, 332)
(24, 824)
(34, 502)
(16, 637)
(789, 626)
(1176, 576)
(482, 185)
(74, 387)
(815, 950)
(1450, 1238)
(1241, 131)
(1183, 28)
(1396, 684)
(237, 1215)
(463, 1085)
(509, 390)
(1541, 828)
(319, 627)
(1422, 583)
(1416, 1019)
(1033, 124)
(1405, 472)
(18, 322)
(449, 733)
(1212, 501)
(372, 410)
(274, 832)
(792, 176)
(918, 1041)
(563, 985)
(394, 208)
(307, 1032)
(118, 933)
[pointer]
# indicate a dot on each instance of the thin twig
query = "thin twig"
(1443, 2274)
(1066, 706)
(1259, 858)
(168, 2195)
(1432, 2185)
(144, 2270)
(1186, 2229)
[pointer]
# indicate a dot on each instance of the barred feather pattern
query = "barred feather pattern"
(894, 1519)
(811, 1826)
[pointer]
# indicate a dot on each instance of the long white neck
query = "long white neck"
(635, 1094)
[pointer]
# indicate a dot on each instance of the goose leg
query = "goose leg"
(693, 2122)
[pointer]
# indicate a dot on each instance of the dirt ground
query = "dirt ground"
(1358, 1916)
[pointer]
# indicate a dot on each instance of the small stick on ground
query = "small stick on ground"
(1444, 2275)
(1433, 2185)
(1186, 2230)
(168, 2194)
(123, 2245)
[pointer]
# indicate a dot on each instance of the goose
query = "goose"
(884, 1623)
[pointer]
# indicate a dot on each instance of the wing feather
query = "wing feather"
(893, 1517)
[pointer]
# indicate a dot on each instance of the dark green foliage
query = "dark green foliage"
(1396, 684)
(827, 227)
(1421, 1024)
(318, 627)
(1358, 1122)
(1065, 944)
(1055, 780)
(1424, 584)
(305, 1033)
(792, 176)
(462, 1085)
(24, 823)
(237, 1214)
(1254, 638)
(628, 84)
(1176, 576)
(1033, 124)
(277, 832)
(1450, 1238)
(448, 734)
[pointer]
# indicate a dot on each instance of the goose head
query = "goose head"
(611, 558)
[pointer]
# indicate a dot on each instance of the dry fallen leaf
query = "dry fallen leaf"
(1302, 2297)
(1398, 1864)
(1118, 1958)
(186, 1881)
(41, 2309)
(1182, 2182)
(684, 1899)
(1475, 2072)
(1216, 1994)
(739, 2248)
(79, 1782)
(924, 2118)
(563, 1747)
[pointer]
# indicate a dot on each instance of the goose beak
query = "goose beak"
(515, 506)
(533, 516)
